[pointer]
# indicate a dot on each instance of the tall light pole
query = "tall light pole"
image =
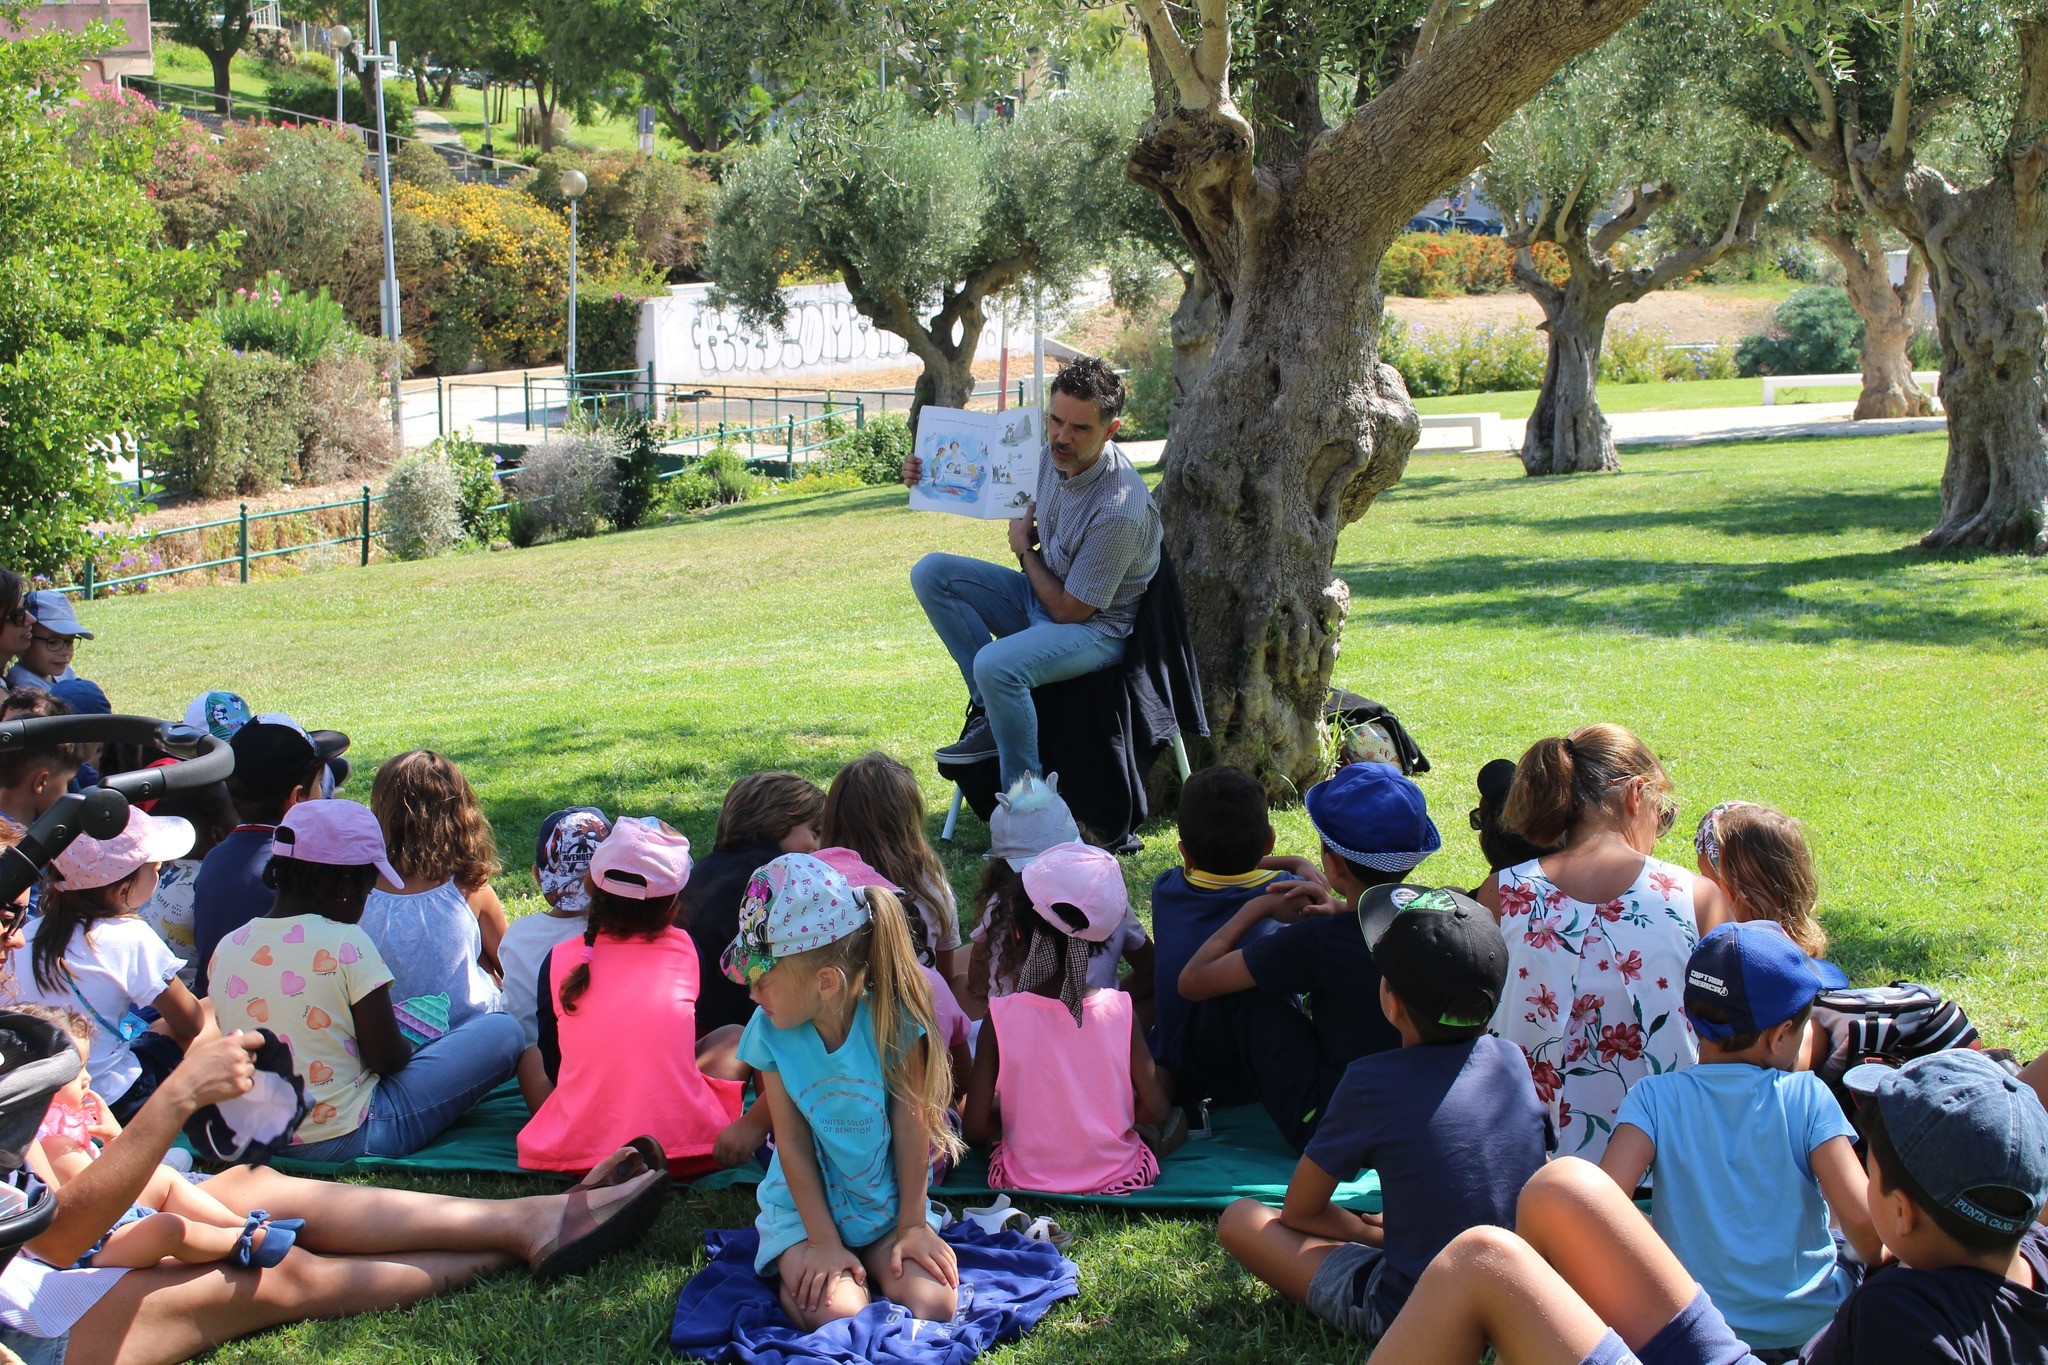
(393, 326)
(341, 39)
(574, 185)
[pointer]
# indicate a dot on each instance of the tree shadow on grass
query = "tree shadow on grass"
(1874, 951)
(1761, 601)
(1903, 511)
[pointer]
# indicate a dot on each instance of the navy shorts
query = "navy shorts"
(1342, 1293)
(1699, 1335)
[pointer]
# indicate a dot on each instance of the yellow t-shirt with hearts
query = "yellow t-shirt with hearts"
(300, 978)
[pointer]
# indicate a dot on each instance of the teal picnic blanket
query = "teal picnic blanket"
(1245, 1159)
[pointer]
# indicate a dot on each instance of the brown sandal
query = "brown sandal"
(640, 1155)
(598, 1222)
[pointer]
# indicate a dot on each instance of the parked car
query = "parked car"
(1422, 222)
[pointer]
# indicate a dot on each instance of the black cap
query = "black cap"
(1494, 780)
(1438, 949)
(271, 759)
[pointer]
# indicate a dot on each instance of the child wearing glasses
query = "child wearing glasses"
(54, 633)
(1599, 931)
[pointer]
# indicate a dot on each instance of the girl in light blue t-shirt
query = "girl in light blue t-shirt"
(856, 1094)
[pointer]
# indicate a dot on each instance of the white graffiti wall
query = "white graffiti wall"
(687, 339)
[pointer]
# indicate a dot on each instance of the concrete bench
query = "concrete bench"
(1772, 383)
(1483, 429)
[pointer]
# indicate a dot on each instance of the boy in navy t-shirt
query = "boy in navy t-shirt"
(1448, 1121)
(1957, 1166)
(1251, 1037)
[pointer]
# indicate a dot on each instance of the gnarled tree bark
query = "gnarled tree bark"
(1986, 248)
(1296, 427)
(1567, 433)
(948, 342)
(1887, 310)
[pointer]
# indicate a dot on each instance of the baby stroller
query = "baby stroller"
(36, 1058)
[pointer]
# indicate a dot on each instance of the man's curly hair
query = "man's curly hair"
(1089, 377)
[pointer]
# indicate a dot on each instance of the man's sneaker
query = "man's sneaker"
(977, 742)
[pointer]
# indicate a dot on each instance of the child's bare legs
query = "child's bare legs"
(844, 1295)
(168, 1235)
(718, 1055)
(1586, 1261)
(916, 1289)
(1285, 1259)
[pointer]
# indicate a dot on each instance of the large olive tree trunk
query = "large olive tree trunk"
(1296, 427)
(1567, 433)
(1986, 248)
(1887, 310)
(947, 343)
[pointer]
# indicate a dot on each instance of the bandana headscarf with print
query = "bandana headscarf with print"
(566, 859)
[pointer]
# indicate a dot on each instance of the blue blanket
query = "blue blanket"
(727, 1312)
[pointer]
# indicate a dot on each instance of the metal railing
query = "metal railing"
(90, 585)
(467, 166)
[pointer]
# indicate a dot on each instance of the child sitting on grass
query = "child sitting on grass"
(1956, 1171)
(764, 814)
(172, 1218)
(1758, 855)
(211, 813)
(1226, 851)
(1029, 819)
(1062, 1115)
(1749, 1155)
(439, 926)
(91, 952)
(561, 864)
(1448, 1121)
(874, 807)
(617, 1021)
(1252, 1039)
(857, 1092)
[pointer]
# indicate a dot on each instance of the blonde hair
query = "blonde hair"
(875, 808)
(878, 961)
(433, 826)
(1561, 780)
(1767, 870)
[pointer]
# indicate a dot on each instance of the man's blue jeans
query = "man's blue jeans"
(998, 632)
(442, 1082)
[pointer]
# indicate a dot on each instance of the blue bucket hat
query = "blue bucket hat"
(1370, 813)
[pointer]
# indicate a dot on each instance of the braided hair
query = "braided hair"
(620, 917)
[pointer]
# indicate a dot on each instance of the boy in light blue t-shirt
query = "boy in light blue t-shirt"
(1747, 1154)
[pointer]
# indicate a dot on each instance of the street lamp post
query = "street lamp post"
(393, 321)
(341, 39)
(574, 185)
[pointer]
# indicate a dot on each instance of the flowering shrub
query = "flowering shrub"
(1434, 265)
(274, 317)
(483, 275)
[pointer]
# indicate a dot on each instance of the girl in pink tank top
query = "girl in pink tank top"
(1063, 1119)
(617, 1008)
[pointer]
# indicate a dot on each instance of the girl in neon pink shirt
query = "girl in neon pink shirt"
(1063, 1120)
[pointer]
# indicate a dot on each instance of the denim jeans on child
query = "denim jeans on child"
(1005, 643)
(441, 1083)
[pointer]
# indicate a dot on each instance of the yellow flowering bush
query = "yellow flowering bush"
(483, 276)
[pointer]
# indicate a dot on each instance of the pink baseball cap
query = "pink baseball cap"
(856, 869)
(91, 862)
(1084, 877)
(336, 832)
(642, 860)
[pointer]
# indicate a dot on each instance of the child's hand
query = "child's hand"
(739, 1140)
(1297, 900)
(919, 1245)
(98, 1122)
(1302, 869)
(817, 1265)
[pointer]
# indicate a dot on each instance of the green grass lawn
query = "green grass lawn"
(181, 65)
(1659, 397)
(1756, 611)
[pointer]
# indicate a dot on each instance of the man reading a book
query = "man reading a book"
(1086, 549)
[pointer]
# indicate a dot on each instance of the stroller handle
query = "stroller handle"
(102, 811)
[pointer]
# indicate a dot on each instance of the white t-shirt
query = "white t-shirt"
(525, 946)
(115, 963)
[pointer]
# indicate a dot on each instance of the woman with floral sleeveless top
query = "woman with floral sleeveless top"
(1598, 931)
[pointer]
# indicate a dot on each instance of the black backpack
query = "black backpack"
(1891, 1024)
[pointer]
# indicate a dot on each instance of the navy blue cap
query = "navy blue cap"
(1370, 813)
(1962, 1125)
(1754, 975)
(83, 696)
